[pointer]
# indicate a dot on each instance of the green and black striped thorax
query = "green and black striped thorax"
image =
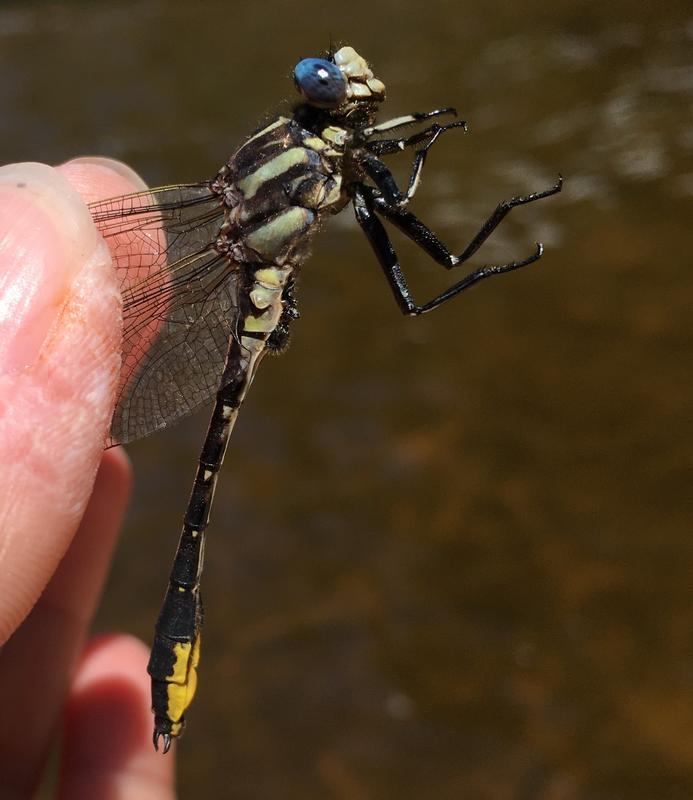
(288, 176)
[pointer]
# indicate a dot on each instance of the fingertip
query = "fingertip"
(55, 631)
(97, 178)
(60, 332)
(115, 473)
(52, 194)
(107, 742)
(46, 237)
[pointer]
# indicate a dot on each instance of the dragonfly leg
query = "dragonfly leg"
(381, 174)
(408, 119)
(383, 147)
(415, 229)
(365, 207)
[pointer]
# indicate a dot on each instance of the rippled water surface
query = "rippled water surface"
(449, 557)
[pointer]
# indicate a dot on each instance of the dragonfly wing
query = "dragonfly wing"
(180, 303)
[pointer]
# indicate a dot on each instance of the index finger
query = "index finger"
(60, 333)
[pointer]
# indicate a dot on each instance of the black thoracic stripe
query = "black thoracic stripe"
(272, 194)
(260, 335)
(265, 146)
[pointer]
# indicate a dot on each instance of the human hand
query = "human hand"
(62, 498)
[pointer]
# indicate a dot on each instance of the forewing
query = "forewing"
(180, 300)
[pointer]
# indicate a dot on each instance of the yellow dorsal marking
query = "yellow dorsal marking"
(182, 680)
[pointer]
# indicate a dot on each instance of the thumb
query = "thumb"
(59, 361)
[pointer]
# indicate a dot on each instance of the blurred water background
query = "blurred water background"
(449, 557)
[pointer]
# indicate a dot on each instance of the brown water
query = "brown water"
(449, 557)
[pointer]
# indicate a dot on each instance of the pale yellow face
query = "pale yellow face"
(361, 83)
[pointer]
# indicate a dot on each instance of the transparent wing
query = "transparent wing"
(180, 303)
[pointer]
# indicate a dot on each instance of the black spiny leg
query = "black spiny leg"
(367, 200)
(407, 119)
(383, 147)
(423, 236)
(380, 173)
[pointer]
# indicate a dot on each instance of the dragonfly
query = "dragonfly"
(208, 275)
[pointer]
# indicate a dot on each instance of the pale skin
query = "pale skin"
(62, 499)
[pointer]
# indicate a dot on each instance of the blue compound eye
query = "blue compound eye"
(321, 82)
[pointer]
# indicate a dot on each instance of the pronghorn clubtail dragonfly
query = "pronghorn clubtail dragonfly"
(208, 289)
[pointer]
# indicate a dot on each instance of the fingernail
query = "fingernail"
(46, 236)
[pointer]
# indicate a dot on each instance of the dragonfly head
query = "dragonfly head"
(343, 83)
